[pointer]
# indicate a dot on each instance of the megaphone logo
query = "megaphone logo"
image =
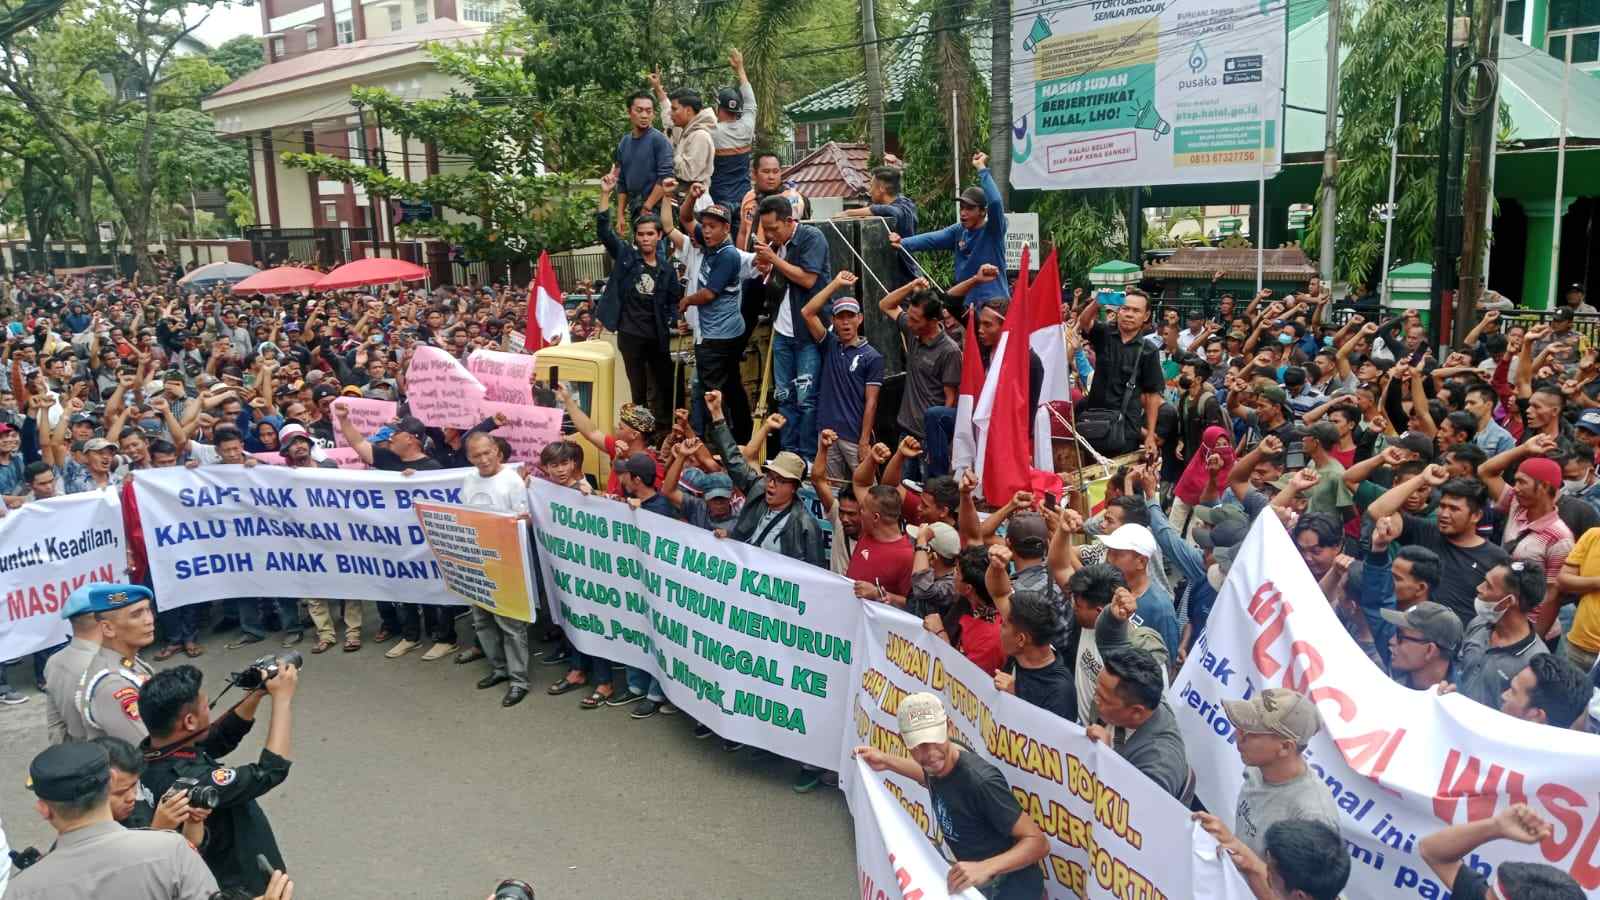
(1039, 32)
(1149, 120)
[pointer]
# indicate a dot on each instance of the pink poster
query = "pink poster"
(441, 391)
(505, 376)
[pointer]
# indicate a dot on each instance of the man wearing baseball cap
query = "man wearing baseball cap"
(721, 348)
(733, 136)
(850, 378)
(1271, 732)
(1130, 548)
(1422, 650)
(1534, 532)
(978, 237)
(997, 846)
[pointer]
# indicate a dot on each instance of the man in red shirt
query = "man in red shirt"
(881, 564)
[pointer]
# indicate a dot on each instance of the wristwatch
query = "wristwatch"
(924, 548)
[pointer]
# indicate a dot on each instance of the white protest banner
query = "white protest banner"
(1399, 763)
(48, 549)
(345, 457)
(893, 857)
(1112, 831)
(528, 428)
(227, 531)
(1110, 94)
(441, 391)
(506, 377)
(753, 644)
(366, 415)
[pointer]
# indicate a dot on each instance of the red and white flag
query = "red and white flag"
(998, 430)
(964, 451)
(547, 317)
(1046, 337)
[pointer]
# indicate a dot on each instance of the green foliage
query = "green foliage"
(241, 209)
(1086, 228)
(239, 56)
(1394, 48)
(502, 129)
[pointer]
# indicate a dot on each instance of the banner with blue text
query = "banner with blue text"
(753, 644)
(228, 531)
(48, 549)
(1399, 763)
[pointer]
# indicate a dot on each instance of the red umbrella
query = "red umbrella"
(376, 270)
(281, 280)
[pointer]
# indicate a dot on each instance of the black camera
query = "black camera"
(265, 669)
(28, 856)
(201, 796)
(513, 889)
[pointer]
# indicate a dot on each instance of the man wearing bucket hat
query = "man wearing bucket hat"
(996, 845)
(772, 518)
(1271, 732)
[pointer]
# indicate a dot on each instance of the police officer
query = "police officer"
(107, 694)
(94, 857)
(184, 742)
(65, 669)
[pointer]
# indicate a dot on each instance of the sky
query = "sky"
(226, 21)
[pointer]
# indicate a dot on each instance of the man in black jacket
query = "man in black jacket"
(185, 743)
(773, 518)
(640, 304)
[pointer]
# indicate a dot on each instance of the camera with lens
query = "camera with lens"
(27, 857)
(513, 889)
(201, 795)
(266, 668)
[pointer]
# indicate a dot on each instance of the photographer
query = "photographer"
(132, 804)
(93, 857)
(183, 749)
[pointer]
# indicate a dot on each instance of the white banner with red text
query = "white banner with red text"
(335, 534)
(48, 549)
(755, 645)
(1113, 833)
(1400, 764)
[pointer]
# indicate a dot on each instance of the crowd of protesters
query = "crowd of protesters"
(1445, 498)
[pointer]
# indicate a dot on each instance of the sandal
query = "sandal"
(193, 650)
(352, 643)
(243, 641)
(564, 686)
(594, 700)
(168, 652)
(322, 646)
(383, 635)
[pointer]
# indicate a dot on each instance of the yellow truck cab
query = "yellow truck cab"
(588, 369)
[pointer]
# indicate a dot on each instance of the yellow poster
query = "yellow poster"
(483, 557)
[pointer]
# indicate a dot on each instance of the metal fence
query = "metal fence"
(319, 246)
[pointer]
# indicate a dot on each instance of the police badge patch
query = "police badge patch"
(223, 777)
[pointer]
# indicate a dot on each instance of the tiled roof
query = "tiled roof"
(832, 170)
(903, 65)
(352, 53)
(1280, 264)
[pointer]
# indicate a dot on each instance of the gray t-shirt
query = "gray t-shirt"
(1262, 805)
(929, 368)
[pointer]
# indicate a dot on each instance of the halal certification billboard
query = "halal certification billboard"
(1111, 93)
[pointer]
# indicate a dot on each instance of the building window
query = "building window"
(1585, 46)
(330, 214)
(488, 12)
(1515, 10)
(420, 8)
(344, 30)
(1566, 14)
(311, 39)
(394, 18)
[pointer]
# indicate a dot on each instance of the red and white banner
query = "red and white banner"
(48, 549)
(1399, 763)
(547, 317)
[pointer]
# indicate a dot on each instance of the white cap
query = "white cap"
(946, 542)
(290, 431)
(1132, 537)
(922, 720)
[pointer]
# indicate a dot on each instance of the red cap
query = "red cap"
(1542, 469)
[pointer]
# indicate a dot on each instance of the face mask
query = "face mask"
(1488, 610)
(1185, 382)
(1573, 487)
(1285, 338)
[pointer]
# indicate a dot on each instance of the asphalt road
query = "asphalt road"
(409, 782)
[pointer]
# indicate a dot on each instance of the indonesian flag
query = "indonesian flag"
(964, 446)
(1000, 416)
(1047, 338)
(547, 317)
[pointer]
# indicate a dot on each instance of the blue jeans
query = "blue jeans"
(642, 682)
(596, 668)
(253, 614)
(795, 364)
(940, 423)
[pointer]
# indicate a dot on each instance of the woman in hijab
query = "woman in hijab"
(1208, 468)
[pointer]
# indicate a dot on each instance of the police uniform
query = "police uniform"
(104, 859)
(106, 695)
(62, 673)
(237, 829)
